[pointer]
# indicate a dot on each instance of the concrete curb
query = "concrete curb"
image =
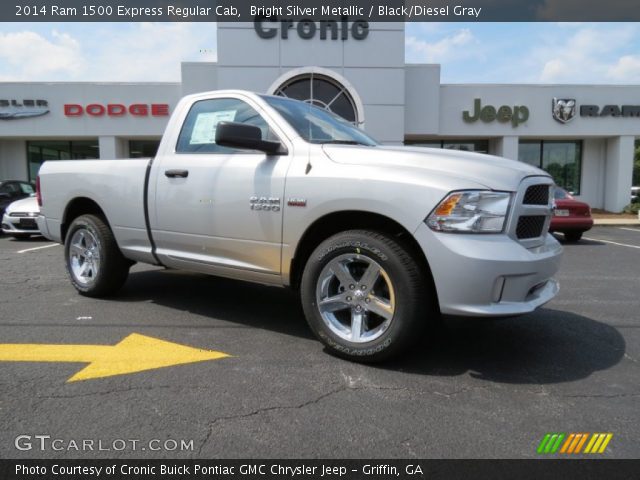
(616, 222)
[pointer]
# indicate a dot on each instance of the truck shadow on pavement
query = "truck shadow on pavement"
(239, 303)
(544, 347)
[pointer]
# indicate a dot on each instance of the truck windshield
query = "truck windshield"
(316, 125)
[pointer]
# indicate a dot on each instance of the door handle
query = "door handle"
(176, 173)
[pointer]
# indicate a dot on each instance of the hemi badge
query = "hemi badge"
(297, 202)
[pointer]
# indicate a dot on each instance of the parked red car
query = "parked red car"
(571, 217)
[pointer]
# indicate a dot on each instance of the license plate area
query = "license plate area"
(28, 224)
(561, 213)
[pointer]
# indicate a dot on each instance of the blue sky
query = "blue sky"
(468, 52)
(528, 52)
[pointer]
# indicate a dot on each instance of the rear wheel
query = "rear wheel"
(364, 296)
(572, 236)
(94, 262)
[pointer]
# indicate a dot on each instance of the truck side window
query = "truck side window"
(199, 129)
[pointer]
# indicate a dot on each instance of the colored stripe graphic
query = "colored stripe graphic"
(555, 447)
(598, 443)
(596, 446)
(550, 443)
(543, 443)
(572, 443)
(584, 439)
(567, 443)
(591, 442)
(606, 442)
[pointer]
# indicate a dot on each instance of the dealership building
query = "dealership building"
(584, 135)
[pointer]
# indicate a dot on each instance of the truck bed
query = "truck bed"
(117, 186)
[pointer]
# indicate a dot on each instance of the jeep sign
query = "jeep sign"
(516, 115)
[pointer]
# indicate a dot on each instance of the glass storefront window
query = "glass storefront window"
(529, 152)
(561, 159)
(41, 151)
(478, 146)
(424, 144)
(143, 148)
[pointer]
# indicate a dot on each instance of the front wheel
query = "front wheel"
(364, 295)
(94, 262)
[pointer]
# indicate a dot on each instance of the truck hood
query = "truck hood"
(493, 172)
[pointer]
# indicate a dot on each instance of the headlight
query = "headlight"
(471, 211)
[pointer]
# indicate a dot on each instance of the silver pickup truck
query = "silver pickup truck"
(378, 240)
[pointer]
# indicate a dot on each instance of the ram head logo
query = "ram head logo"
(563, 109)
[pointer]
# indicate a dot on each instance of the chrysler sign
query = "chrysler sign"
(12, 109)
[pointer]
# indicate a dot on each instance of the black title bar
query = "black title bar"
(319, 469)
(298, 10)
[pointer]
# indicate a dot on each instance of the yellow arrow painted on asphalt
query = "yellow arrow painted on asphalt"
(135, 353)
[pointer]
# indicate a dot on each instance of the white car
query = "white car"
(635, 194)
(19, 219)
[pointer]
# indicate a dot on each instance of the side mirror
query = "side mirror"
(246, 137)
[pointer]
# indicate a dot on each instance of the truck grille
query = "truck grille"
(536, 195)
(531, 213)
(530, 226)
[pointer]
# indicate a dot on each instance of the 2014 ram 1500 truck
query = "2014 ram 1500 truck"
(378, 240)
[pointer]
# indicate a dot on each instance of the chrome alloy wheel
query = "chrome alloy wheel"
(355, 297)
(84, 256)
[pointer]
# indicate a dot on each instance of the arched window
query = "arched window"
(321, 91)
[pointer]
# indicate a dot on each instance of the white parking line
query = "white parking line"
(630, 229)
(613, 243)
(37, 248)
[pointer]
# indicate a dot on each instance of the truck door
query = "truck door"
(217, 209)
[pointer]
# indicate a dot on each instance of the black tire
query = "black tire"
(572, 236)
(413, 301)
(21, 236)
(113, 268)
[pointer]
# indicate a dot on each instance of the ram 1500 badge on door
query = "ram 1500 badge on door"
(378, 240)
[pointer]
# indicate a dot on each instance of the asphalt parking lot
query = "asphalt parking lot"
(481, 389)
